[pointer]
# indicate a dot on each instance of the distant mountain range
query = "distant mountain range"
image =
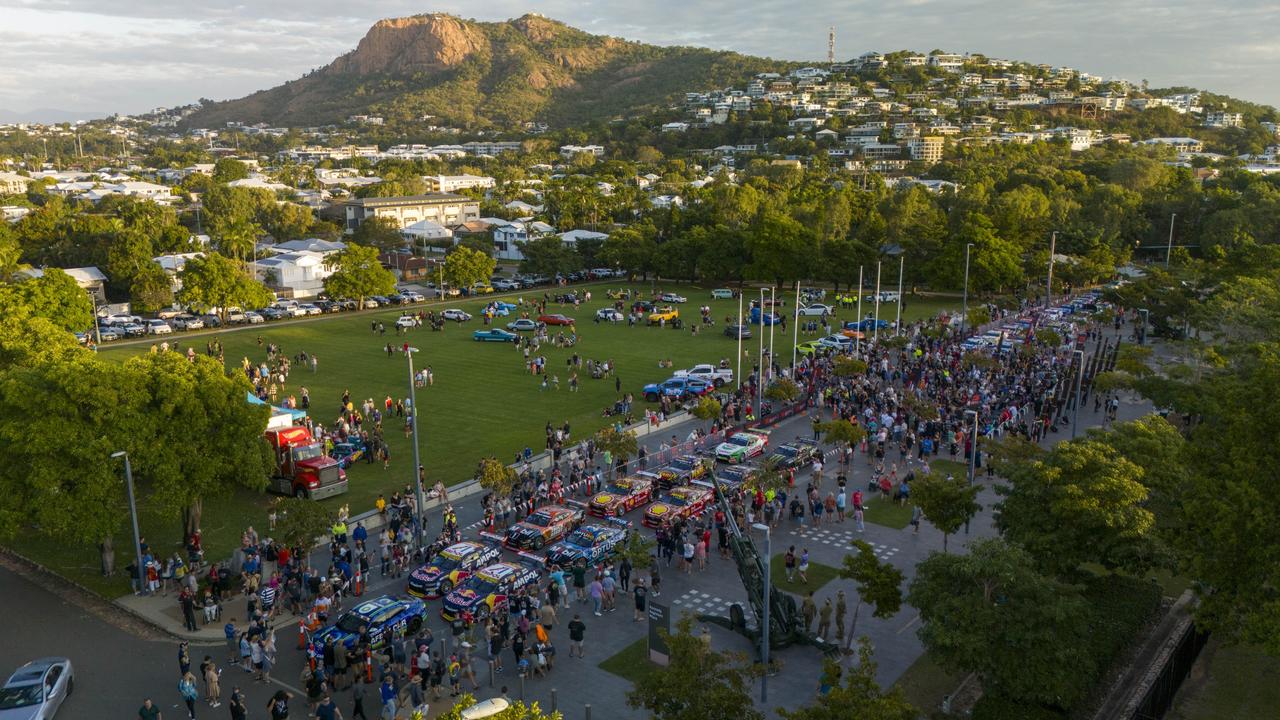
(48, 116)
(479, 74)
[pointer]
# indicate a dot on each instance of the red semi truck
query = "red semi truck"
(302, 468)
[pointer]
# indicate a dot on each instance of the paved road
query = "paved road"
(116, 670)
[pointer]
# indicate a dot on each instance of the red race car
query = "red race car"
(543, 527)
(684, 501)
(556, 319)
(623, 495)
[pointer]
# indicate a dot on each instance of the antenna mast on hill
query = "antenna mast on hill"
(831, 45)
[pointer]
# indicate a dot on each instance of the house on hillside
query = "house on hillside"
(88, 278)
(508, 237)
(298, 274)
(426, 234)
(444, 208)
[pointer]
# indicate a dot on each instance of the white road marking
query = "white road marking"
(906, 627)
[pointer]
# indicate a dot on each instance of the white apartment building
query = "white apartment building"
(927, 149)
(13, 184)
(454, 183)
(1221, 119)
(568, 151)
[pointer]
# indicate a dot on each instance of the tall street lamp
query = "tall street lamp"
(760, 356)
(764, 629)
(1168, 251)
(133, 513)
(964, 321)
(741, 325)
(857, 339)
(875, 324)
(795, 330)
(417, 462)
(1048, 285)
(897, 321)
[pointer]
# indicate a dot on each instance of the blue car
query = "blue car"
(867, 324)
(592, 543)
(678, 388)
(386, 618)
(494, 335)
(346, 453)
(770, 318)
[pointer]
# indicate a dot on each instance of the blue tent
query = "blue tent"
(294, 415)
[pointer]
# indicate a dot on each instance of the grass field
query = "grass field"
(1230, 682)
(482, 402)
(632, 662)
(819, 575)
(926, 684)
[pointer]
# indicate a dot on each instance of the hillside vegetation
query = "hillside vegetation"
(481, 75)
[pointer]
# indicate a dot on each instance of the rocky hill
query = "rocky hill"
(481, 74)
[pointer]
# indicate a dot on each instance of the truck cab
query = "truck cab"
(302, 467)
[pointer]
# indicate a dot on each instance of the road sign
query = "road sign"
(659, 622)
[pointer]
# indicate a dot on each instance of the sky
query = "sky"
(137, 55)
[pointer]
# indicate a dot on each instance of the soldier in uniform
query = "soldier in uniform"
(824, 620)
(808, 609)
(841, 609)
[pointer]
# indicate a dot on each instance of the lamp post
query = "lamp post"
(1168, 251)
(417, 462)
(875, 324)
(133, 514)
(1048, 285)
(764, 623)
(772, 304)
(1075, 409)
(964, 321)
(973, 453)
(795, 330)
(760, 354)
(739, 334)
(857, 339)
(897, 321)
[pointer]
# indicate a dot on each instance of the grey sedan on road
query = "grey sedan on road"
(36, 690)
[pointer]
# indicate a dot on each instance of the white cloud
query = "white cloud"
(144, 53)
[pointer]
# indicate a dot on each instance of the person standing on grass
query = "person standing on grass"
(789, 563)
(803, 569)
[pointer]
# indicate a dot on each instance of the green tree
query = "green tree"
(636, 548)
(783, 390)
(842, 432)
(620, 445)
(990, 612)
(879, 583)
(300, 521)
(697, 683)
(54, 296)
(947, 502)
(379, 232)
(516, 710)
(215, 283)
(229, 169)
(859, 696)
(548, 255)
(357, 273)
(708, 409)
(464, 267)
(494, 476)
(1080, 503)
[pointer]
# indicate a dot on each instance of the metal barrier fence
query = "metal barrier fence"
(1159, 697)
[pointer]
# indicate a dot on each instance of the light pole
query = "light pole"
(1075, 409)
(1048, 285)
(1168, 251)
(133, 513)
(973, 453)
(857, 339)
(760, 354)
(875, 324)
(417, 462)
(772, 304)
(897, 321)
(764, 623)
(739, 333)
(795, 330)
(964, 321)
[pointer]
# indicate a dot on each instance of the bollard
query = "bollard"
(553, 699)
(490, 673)
(521, 687)
(588, 709)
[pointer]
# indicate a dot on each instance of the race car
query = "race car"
(623, 495)
(795, 454)
(450, 567)
(742, 446)
(386, 618)
(592, 543)
(680, 471)
(543, 527)
(684, 501)
(734, 480)
(346, 453)
(487, 590)
(679, 388)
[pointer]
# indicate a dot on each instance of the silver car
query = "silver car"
(36, 690)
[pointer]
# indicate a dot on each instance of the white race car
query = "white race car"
(742, 446)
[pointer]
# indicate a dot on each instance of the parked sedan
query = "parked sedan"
(108, 333)
(737, 331)
(36, 690)
(187, 322)
(272, 313)
(816, 310)
(455, 315)
(158, 327)
(310, 309)
(555, 319)
(672, 298)
(134, 330)
(494, 335)
(524, 324)
(253, 318)
(609, 315)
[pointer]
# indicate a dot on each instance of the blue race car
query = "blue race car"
(867, 324)
(487, 590)
(676, 387)
(494, 335)
(592, 543)
(386, 618)
(346, 453)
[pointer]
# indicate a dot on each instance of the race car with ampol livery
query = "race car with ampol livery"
(450, 567)
(487, 590)
(742, 446)
(543, 527)
(795, 454)
(385, 619)
(680, 502)
(623, 495)
(592, 543)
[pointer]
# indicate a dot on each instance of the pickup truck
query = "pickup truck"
(708, 373)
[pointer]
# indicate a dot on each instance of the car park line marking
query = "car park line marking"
(906, 627)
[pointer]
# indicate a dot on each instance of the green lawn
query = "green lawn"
(819, 574)
(1230, 682)
(883, 511)
(926, 683)
(632, 662)
(482, 403)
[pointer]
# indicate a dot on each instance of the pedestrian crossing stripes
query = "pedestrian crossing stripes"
(706, 604)
(842, 539)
